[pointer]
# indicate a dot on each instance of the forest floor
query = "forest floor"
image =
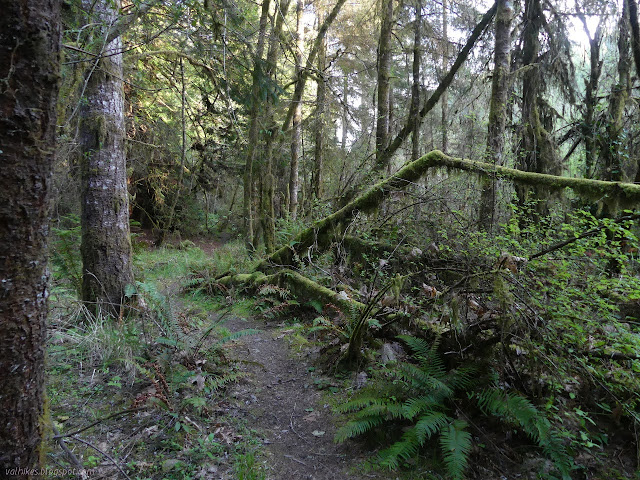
(205, 386)
(287, 402)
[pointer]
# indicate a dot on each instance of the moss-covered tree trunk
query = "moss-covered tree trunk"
(106, 245)
(444, 101)
(268, 183)
(29, 66)
(384, 87)
(296, 136)
(322, 232)
(252, 135)
(537, 150)
(414, 111)
(614, 145)
(497, 108)
(321, 99)
(589, 128)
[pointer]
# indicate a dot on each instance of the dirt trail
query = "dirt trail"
(280, 401)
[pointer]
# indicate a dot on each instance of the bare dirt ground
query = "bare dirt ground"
(279, 399)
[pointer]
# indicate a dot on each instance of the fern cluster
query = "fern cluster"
(421, 394)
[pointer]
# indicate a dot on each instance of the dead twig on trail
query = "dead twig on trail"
(104, 454)
(58, 435)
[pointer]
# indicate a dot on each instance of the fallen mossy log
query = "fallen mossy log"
(320, 232)
(301, 286)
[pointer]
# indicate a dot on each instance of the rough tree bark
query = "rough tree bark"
(29, 74)
(384, 87)
(106, 245)
(497, 109)
(296, 137)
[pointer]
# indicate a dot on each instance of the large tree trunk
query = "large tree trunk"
(538, 152)
(106, 245)
(29, 64)
(497, 108)
(252, 136)
(268, 184)
(296, 137)
(384, 87)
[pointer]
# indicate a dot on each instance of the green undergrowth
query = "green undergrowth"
(154, 382)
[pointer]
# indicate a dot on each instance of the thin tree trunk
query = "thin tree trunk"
(384, 67)
(252, 136)
(444, 84)
(311, 59)
(106, 244)
(612, 150)
(445, 58)
(345, 112)
(29, 73)
(183, 154)
(414, 111)
(635, 46)
(296, 137)
(497, 109)
(321, 95)
(589, 130)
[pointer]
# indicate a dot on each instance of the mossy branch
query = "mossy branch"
(303, 287)
(320, 232)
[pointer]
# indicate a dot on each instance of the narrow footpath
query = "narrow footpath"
(280, 400)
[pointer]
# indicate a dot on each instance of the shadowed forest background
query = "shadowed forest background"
(326, 239)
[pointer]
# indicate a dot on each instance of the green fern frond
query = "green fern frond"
(401, 450)
(215, 383)
(269, 289)
(422, 380)
(419, 346)
(463, 378)
(517, 409)
(355, 428)
(362, 401)
(430, 423)
(455, 442)
(416, 406)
